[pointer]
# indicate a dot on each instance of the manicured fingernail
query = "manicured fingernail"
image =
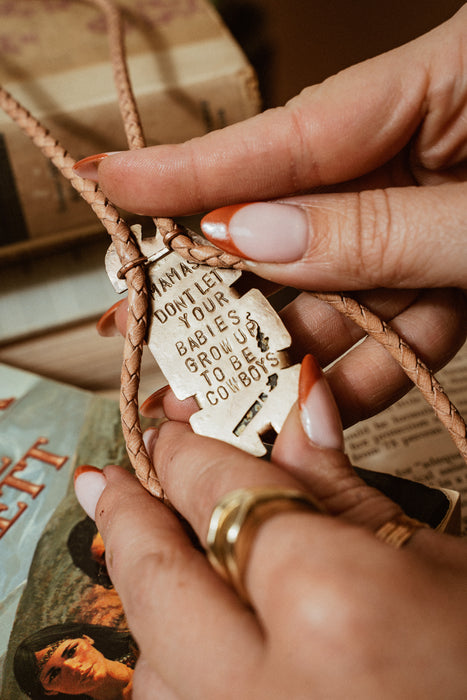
(152, 407)
(88, 167)
(262, 231)
(149, 439)
(89, 483)
(106, 325)
(318, 410)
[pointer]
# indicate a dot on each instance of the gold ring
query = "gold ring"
(235, 521)
(398, 531)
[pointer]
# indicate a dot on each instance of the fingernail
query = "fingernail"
(149, 439)
(106, 325)
(262, 231)
(318, 410)
(88, 167)
(152, 406)
(89, 483)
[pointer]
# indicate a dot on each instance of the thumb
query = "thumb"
(310, 448)
(406, 237)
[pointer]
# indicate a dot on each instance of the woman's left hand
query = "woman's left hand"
(335, 612)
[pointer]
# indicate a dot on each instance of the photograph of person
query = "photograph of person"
(76, 660)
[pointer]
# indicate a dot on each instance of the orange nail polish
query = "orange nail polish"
(106, 326)
(152, 406)
(215, 226)
(318, 410)
(87, 167)
(310, 373)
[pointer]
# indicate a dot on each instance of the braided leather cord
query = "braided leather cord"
(130, 257)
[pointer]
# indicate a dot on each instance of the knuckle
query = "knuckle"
(331, 612)
(379, 247)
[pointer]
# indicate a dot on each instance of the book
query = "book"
(188, 74)
(47, 574)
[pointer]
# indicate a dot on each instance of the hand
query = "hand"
(336, 612)
(366, 138)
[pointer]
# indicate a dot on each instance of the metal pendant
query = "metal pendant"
(225, 350)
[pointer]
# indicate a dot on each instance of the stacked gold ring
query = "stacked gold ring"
(235, 521)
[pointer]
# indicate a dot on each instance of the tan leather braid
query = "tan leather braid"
(414, 368)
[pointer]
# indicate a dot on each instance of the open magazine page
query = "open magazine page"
(54, 582)
(408, 439)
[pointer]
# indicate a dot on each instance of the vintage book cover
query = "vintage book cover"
(52, 574)
(189, 76)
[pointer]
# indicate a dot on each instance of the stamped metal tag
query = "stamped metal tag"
(226, 350)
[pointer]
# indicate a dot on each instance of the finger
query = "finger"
(314, 424)
(164, 404)
(399, 237)
(113, 321)
(171, 596)
(350, 124)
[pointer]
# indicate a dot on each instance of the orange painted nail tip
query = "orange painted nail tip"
(153, 401)
(83, 468)
(215, 227)
(310, 373)
(89, 160)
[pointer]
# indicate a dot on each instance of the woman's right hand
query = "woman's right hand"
(385, 142)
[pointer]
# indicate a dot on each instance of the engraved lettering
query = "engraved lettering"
(248, 355)
(240, 337)
(180, 303)
(211, 397)
(191, 364)
(171, 274)
(184, 319)
(209, 304)
(272, 359)
(160, 315)
(232, 383)
(234, 317)
(244, 378)
(188, 295)
(220, 323)
(226, 347)
(235, 362)
(204, 359)
(205, 376)
(221, 298)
